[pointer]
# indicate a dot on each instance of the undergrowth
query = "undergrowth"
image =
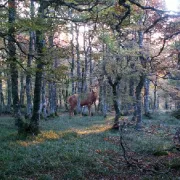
(84, 148)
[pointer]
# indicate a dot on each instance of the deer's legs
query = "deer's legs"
(71, 111)
(89, 108)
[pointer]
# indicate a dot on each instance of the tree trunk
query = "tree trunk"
(85, 63)
(40, 43)
(9, 94)
(51, 99)
(139, 102)
(72, 59)
(166, 103)
(44, 100)
(78, 69)
(29, 62)
(55, 99)
(12, 61)
(102, 107)
(116, 102)
(22, 89)
(155, 94)
(1, 107)
(90, 59)
(52, 85)
(139, 87)
(132, 95)
(146, 97)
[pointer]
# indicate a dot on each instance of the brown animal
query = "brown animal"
(72, 100)
(91, 99)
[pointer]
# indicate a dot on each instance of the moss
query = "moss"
(160, 153)
(175, 164)
(176, 114)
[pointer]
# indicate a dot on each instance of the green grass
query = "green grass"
(78, 148)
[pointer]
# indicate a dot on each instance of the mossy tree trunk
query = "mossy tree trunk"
(139, 102)
(12, 61)
(40, 44)
(146, 97)
(116, 101)
(139, 87)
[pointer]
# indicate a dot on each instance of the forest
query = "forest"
(89, 89)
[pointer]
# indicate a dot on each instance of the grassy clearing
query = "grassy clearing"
(86, 148)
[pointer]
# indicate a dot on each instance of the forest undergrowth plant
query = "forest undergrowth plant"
(137, 159)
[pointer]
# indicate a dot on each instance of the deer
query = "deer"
(72, 100)
(91, 99)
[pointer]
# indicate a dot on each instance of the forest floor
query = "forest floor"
(86, 148)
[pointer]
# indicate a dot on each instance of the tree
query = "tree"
(29, 62)
(12, 60)
(40, 45)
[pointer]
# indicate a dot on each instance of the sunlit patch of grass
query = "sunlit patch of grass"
(94, 130)
(45, 135)
(48, 136)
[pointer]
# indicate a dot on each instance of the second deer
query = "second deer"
(88, 101)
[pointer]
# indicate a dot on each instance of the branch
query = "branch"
(122, 18)
(72, 5)
(155, 22)
(148, 7)
(3, 35)
(3, 5)
(122, 144)
(164, 42)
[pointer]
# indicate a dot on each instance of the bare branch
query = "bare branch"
(72, 5)
(3, 5)
(164, 43)
(148, 7)
(155, 22)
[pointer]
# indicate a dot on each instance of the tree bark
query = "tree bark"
(138, 107)
(90, 58)
(102, 107)
(72, 59)
(146, 97)
(155, 94)
(40, 43)
(139, 102)
(44, 100)
(22, 89)
(1, 107)
(79, 88)
(9, 94)
(29, 62)
(12, 61)
(85, 62)
(116, 102)
(52, 85)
